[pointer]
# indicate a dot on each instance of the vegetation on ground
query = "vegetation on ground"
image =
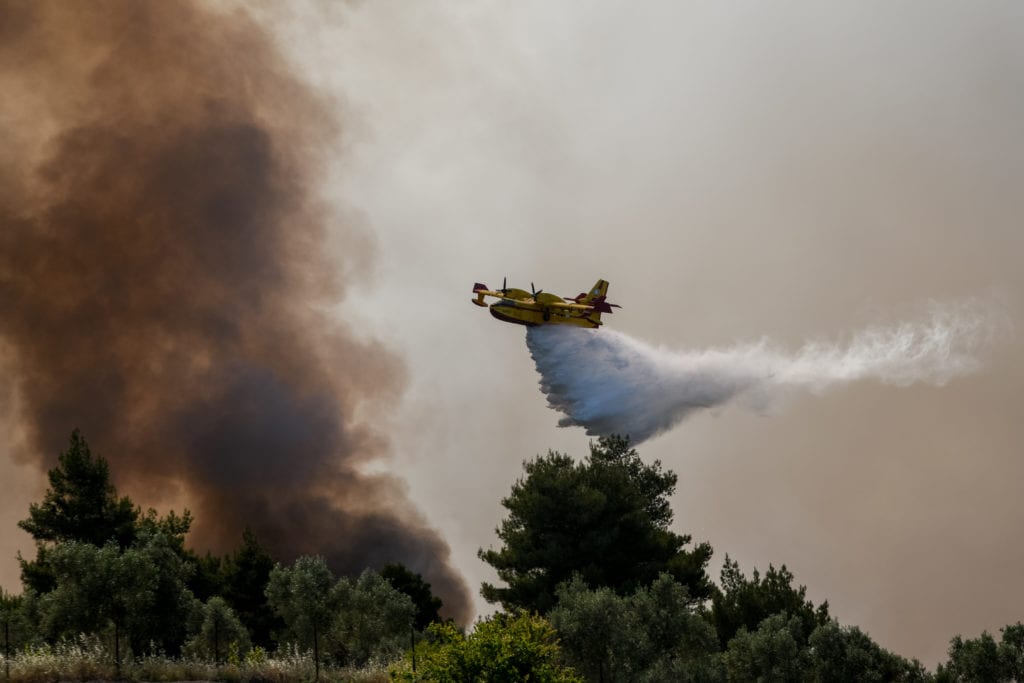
(596, 587)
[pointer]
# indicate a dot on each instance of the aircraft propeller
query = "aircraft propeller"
(535, 291)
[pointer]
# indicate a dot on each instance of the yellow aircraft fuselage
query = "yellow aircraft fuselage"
(520, 307)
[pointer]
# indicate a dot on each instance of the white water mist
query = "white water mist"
(610, 383)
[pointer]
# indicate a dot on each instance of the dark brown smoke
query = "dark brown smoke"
(163, 281)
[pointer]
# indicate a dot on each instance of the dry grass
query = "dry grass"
(85, 659)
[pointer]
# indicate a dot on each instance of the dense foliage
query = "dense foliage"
(605, 520)
(745, 603)
(244, 577)
(656, 634)
(597, 588)
(505, 648)
(107, 569)
(80, 505)
(216, 630)
(982, 659)
(412, 584)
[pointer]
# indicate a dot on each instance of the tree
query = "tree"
(745, 603)
(373, 619)
(303, 596)
(772, 652)
(139, 592)
(678, 642)
(217, 629)
(161, 547)
(597, 636)
(654, 634)
(15, 626)
(208, 579)
(82, 505)
(245, 577)
(606, 519)
(777, 651)
(427, 604)
(501, 649)
(97, 587)
(1011, 651)
(848, 655)
(983, 660)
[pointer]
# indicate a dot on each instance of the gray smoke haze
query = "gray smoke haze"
(795, 170)
(163, 283)
(611, 383)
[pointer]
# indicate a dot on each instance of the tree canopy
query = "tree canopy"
(412, 584)
(587, 543)
(503, 648)
(605, 519)
(216, 629)
(372, 617)
(656, 634)
(984, 660)
(81, 504)
(303, 596)
(744, 603)
(348, 620)
(244, 576)
(97, 587)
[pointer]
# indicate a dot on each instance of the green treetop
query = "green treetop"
(503, 648)
(303, 595)
(245, 575)
(745, 603)
(81, 503)
(605, 519)
(418, 590)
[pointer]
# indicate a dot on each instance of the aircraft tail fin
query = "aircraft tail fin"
(597, 293)
(479, 288)
(596, 297)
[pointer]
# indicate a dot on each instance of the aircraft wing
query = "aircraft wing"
(561, 306)
(481, 291)
(516, 294)
(547, 299)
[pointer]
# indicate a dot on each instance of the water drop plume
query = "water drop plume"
(164, 273)
(611, 383)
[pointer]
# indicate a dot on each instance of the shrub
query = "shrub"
(501, 649)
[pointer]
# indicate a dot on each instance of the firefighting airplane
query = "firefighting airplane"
(538, 307)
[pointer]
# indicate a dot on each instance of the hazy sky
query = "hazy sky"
(736, 171)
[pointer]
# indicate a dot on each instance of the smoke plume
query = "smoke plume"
(610, 383)
(163, 281)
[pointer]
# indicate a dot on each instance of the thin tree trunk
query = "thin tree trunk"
(216, 642)
(117, 649)
(412, 639)
(7, 648)
(316, 652)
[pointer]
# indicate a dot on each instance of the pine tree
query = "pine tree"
(80, 505)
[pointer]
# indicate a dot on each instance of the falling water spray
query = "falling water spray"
(610, 383)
